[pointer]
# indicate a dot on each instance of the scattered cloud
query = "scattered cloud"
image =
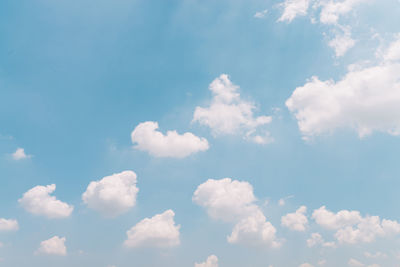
(19, 154)
(212, 261)
(158, 231)
(38, 201)
(233, 201)
(173, 145)
(261, 14)
(112, 195)
(8, 225)
(296, 221)
(355, 263)
(352, 228)
(366, 100)
(229, 114)
(306, 265)
(317, 240)
(293, 8)
(342, 41)
(53, 246)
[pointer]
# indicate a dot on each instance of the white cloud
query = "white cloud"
(228, 114)
(53, 246)
(158, 231)
(20, 154)
(212, 261)
(355, 263)
(316, 239)
(112, 195)
(296, 221)
(38, 201)
(342, 42)
(306, 265)
(366, 100)
(173, 145)
(261, 14)
(294, 8)
(254, 230)
(8, 225)
(226, 199)
(233, 201)
(332, 10)
(352, 228)
(332, 221)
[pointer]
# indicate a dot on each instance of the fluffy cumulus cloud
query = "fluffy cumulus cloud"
(233, 201)
(229, 114)
(294, 8)
(38, 201)
(306, 265)
(158, 231)
(112, 195)
(365, 100)
(20, 154)
(329, 13)
(212, 261)
(296, 221)
(317, 240)
(53, 246)
(147, 138)
(332, 10)
(352, 228)
(342, 41)
(8, 225)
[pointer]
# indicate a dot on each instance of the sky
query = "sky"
(231, 133)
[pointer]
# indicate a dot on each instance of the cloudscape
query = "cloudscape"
(199, 133)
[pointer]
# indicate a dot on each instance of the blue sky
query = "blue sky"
(84, 85)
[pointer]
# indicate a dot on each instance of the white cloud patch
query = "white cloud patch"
(294, 8)
(172, 145)
(233, 201)
(296, 221)
(342, 41)
(332, 10)
(229, 114)
(38, 201)
(19, 154)
(376, 255)
(355, 263)
(261, 14)
(212, 261)
(317, 240)
(8, 225)
(158, 231)
(112, 195)
(352, 228)
(53, 246)
(306, 265)
(366, 100)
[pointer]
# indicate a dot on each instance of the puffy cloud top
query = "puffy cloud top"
(20, 154)
(233, 201)
(158, 231)
(53, 246)
(212, 261)
(296, 221)
(38, 201)
(352, 228)
(229, 114)
(173, 145)
(112, 195)
(366, 100)
(294, 8)
(8, 224)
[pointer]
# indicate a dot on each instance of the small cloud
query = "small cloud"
(20, 154)
(261, 14)
(53, 246)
